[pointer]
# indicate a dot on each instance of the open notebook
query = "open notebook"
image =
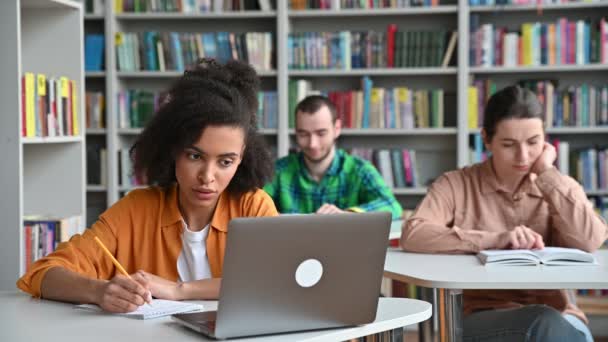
(552, 256)
(159, 308)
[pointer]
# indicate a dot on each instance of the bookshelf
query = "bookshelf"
(440, 149)
(40, 175)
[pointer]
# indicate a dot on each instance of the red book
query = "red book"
(348, 113)
(390, 42)
(520, 54)
(28, 247)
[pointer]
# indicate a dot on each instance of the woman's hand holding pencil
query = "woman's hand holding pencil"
(122, 293)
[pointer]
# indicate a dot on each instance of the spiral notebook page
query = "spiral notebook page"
(159, 308)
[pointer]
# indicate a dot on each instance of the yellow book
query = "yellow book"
(75, 110)
(551, 42)
(374, 113)
(473, 103)
(118, 5)
(30, 103)
(527, 31)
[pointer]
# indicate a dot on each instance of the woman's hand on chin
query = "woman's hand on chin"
(545, 160)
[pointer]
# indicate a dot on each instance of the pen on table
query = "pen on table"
(117, 264)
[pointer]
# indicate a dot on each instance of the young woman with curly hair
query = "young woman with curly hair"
(206, 163)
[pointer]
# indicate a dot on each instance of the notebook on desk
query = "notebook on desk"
(159, 308)
(297, 272)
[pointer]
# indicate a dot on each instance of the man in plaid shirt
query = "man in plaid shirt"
(322, 178)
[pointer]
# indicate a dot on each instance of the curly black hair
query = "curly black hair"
(208, 94)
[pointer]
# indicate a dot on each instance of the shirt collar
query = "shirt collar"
(489, 181)
(171, 214)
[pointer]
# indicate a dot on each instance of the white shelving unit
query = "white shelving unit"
(39, 175)
(438, 149)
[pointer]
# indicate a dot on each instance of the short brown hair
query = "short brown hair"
(313, 103)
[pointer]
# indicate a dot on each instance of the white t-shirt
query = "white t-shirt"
(193, 263)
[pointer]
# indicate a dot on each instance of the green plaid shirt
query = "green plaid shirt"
(350, 183)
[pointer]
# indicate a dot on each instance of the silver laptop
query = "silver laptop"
(297, 272)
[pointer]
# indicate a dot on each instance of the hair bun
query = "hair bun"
(243, 75)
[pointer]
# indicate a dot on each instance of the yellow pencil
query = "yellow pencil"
(115, 262)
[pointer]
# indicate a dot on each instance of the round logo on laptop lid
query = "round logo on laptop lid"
(309, 272)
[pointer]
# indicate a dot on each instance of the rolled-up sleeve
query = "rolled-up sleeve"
(431, 228)
(80, 254)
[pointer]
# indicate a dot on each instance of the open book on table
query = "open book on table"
(551, 256)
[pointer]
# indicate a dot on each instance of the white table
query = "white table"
(450, 274)
(23, 318)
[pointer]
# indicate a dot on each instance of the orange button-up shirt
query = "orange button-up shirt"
(465, 210)
(143, 231)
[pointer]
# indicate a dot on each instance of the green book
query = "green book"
(292, 96)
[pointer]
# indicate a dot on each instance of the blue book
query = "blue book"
(367, 91)
(223, 46)
(150, 39)
(93, 52)
(397, 165)
(209, 45)
(176, 51)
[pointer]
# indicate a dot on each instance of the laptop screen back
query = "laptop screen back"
(301, 272)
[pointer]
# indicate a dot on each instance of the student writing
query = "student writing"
(203, 154)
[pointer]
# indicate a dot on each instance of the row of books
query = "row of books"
(190, 6)
(398, 168)
(42, 234)
(589, 166)
(358, 4)
(375, 107)
(137, 106)
(582, 105)
(268, 109)
(160, 51)
(370, 49)
(95, 109)
(94, 51)
(49, 106)
(563, 42)
(524, 2)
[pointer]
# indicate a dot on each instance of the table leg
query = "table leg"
(426, 329)
(449, 308)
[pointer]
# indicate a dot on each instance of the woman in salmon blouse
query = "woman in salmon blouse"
(516, 199)
(207, 163)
